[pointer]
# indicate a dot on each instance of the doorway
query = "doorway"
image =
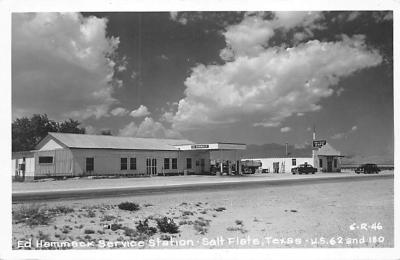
(275, 166)
(329, 166)
(151, 166)
(89, 164)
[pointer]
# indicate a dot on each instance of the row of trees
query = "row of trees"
(27, 132)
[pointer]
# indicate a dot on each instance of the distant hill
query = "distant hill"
(275, 150)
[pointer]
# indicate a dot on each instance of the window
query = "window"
(124, 163)
(335, 163)
(293, 162)
(45, 159)
(132, 164)
(320, 163)
(89, 164)
(166, 163)
(188, 163)
(174, 163)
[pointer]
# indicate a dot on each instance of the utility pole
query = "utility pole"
(313, 148)
(286, 146)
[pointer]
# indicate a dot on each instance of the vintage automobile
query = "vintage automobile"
(367, 168)
(304, 168)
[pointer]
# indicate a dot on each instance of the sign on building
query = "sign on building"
(319, 143)
(200, 146)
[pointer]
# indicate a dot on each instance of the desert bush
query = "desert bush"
(129, 231)
(107, 218)
(91, 213)
(201, 225)
(130, 206)
(61, 210)
(88, 231)
(219, 209)
(239, 222)
(144, 228)
(32, 215)
(115, 226)
(187, 213)
(167, 225)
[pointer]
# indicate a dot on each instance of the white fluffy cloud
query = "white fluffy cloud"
(265, 83)
(119, 111)
(140, 112)
(61, 65)
(148, 128)
(285, 129)
(344, 134)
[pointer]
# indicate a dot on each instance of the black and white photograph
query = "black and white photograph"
(140, 130)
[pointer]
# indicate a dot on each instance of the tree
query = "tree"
(106, 132)
(27, 132)
(70, 126)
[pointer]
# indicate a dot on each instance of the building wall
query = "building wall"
(108, 161)
(51, 145)
(285, 164)
(29, 166)
(324, 160)
(62, 164)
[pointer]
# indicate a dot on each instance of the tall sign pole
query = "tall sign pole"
(313, 149)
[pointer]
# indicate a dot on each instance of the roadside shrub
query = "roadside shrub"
(130, 206)
(167, 225)
(115, 227)
(61, 210)
(144, 228)
(107, 218)
(88, 231)
(239, 222)
(201, 225)
(219, 209)
(129, 231)
(187, 213)
(91, 213)
(31, 215)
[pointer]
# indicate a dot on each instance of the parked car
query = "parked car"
(367, 168)
(304, 168)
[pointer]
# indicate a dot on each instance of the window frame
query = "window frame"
(189, 163)
(124, 164)
(174, 166)
(132, 162)
(166, 164)
(41, 157)
(294, 162)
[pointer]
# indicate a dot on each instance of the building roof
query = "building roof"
(328, 150)
(111, 142)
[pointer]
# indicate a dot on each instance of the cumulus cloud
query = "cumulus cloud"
(119, 111)
(140, 112)
(61, 65)
(149, 128)
(343, 135)
(271, 86)
(252, 35)
(285, 129)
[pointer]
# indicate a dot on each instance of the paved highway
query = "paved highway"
(87, 193)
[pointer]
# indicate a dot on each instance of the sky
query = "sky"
(248, 77)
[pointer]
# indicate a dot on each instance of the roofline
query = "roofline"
(106, 148)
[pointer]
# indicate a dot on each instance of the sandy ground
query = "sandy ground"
(345, 214)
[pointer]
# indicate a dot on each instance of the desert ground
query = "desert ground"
(346, 214)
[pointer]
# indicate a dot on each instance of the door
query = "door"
(329, 166)
(151, 166)
(202, 165)
(89, 164)
(275, 166)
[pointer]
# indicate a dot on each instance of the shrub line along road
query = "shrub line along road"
(157, 185)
